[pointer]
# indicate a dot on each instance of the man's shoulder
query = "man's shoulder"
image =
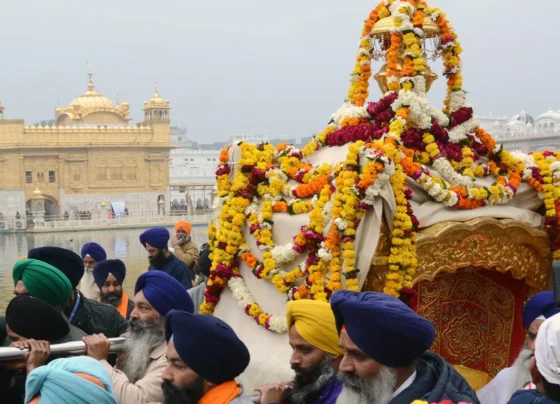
(175, 262)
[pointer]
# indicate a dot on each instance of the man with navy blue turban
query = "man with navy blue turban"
(92, 253)
(386, 356)
(155, 241)
(518, 376)
(195, 375)
(137, 377)
(109, 277)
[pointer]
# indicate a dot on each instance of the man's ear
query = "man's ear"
(535, 374)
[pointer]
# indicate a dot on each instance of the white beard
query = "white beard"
(139, 346)
(376, 390)
(521, 370)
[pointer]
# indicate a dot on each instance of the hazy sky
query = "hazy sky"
(254, 65)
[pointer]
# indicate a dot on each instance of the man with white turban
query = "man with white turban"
(545, 367)
(518, 376)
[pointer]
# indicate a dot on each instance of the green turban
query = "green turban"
(43, 281)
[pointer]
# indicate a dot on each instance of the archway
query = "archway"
(51, 208)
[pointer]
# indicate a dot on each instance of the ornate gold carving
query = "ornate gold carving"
(380, 262)
(502, 245)
(472, 328)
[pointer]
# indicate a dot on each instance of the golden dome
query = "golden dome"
(156, 101)
(91, 98)
(89, 103)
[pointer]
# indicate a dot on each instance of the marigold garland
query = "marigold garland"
(399, 136)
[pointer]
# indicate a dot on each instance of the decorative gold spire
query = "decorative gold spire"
(90, 82)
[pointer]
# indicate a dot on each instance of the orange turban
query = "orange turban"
(183, 225)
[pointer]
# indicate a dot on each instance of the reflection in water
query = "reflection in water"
(121, 244)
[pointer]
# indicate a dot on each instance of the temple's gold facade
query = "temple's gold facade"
(90, 155)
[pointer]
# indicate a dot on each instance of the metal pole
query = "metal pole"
(66, 349)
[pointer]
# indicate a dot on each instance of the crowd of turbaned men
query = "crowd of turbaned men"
(361, 348)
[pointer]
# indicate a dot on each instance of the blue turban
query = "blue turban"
(163, 292)
(157, 237)
(57, 382)
(227, 356)
(95, 251)
(66, 261)
(383, 327)
(102, 270)
(542, 304)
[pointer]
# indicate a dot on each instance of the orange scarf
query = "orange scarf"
(123, 307)
(222, 394)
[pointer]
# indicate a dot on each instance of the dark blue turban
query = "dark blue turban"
(383, 327)
(66, 261)
(104, 268)
(164, 292)
(95, 251)
(542, 304)
(157, 237)
(226, 357)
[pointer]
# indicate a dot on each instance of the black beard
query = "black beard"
(114, 299)
(185, 395)
(158, 260)
(308, 386)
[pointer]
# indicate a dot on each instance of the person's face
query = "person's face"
(89, 263)
(305, 357)
(152, 252)
(12, 335)
(532, 332)
(111, 286)
(181, 384)
(143, 311)
(355, 361)
(181, 234)
(20, 289)
(111, 291)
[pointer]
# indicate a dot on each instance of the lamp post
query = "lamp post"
(161, 208)
(102, 215)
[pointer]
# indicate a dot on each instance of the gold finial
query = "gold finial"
(156, 89)
(90, 81)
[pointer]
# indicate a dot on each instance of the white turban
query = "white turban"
(547, 349)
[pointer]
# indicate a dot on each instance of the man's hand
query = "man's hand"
(273, 393)
(174, 241)
(97, 346)
(39, 352)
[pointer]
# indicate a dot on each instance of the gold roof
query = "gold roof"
(91, 101)
(156, 101)
(386, 25)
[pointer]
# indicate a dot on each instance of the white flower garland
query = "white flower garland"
(244, 298)
(460, 132)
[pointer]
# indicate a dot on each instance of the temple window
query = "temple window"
(131, 171)
(40, 176)
(116, 173)
(52, 176)
(28, 177)
(101, 171)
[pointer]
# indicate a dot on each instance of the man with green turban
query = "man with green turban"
(41, 280)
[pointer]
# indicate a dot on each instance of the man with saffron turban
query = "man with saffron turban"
(89, 315)
(161, 259)
(137, 376)
(79, 380)
(386, 356)
(518, 376)
(203, 376)
(92, 253)
(184, 248)
(315, 357)
(109, 277)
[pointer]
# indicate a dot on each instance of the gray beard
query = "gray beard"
(144, 338)
(521, 370)
(375, 390)
(301, 393)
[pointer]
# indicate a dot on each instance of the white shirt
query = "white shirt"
(407, 383)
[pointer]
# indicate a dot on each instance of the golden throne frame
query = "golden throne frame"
(461, 252)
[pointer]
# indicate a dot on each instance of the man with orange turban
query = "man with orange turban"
(315, 357)
(184, 248)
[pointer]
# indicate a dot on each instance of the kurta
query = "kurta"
(500, 389)
(147, 389)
